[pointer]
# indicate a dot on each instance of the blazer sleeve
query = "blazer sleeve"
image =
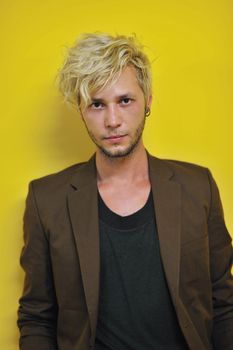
(221, 257)
(37, 313)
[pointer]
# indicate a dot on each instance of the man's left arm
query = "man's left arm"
(221, 257)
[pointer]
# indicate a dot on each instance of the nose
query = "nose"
(112, 117)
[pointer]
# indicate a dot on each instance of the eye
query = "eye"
(96, 105)
(125, 101)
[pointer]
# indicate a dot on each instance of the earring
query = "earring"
(147, 112)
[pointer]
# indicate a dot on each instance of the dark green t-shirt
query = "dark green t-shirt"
(135, 308)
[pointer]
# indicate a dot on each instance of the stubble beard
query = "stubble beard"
(120, 153)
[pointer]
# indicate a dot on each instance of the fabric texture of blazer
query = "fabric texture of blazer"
(61, 258)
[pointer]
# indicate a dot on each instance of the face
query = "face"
(116, 116)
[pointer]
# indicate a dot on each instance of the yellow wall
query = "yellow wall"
(191, 42)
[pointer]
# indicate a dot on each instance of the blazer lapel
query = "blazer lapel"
(83, 207)
(167, 202)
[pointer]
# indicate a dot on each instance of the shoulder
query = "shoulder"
(193, 178)
(49, 193)
(52, 189)
(57, 179)
(186, 169)
(179, 168)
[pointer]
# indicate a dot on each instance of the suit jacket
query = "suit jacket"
(61, 258)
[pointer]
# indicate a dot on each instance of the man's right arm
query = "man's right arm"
(37, 313)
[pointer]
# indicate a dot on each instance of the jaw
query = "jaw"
(121, 152)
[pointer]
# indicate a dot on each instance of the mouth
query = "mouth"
(114, 138)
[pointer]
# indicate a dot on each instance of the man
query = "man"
(125, 251)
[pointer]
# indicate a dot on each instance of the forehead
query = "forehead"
(126, 84)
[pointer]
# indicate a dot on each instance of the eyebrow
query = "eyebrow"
(120, 97)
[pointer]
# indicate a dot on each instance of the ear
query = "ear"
(149, 101)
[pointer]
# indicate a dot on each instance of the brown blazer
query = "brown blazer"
(59, 305)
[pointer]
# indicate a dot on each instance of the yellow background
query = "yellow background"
(191, 43)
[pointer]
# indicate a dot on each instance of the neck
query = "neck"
(123, 169)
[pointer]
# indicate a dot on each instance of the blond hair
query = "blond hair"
(98, 59)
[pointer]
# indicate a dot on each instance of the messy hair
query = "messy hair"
(98, 59)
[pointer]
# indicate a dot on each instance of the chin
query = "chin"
(117, 153)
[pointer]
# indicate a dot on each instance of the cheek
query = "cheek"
(135, 115)
(137, 109)
(92, 122)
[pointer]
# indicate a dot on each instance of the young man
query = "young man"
(125, 251)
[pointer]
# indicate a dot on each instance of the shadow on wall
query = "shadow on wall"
(62, 138)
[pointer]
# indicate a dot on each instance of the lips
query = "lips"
(114, 138)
